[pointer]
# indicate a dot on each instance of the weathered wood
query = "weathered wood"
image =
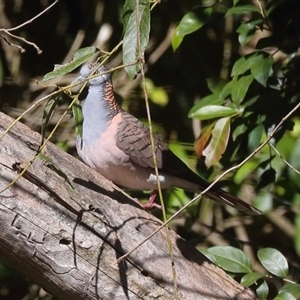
(68, 239)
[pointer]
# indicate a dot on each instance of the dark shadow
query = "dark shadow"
(115, 195)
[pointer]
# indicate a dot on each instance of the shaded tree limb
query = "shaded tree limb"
(67, 237)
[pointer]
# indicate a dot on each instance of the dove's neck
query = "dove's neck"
(97, 112)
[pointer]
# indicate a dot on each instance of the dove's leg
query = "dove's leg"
(151, 201)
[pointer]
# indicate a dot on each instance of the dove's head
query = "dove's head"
(92, 70)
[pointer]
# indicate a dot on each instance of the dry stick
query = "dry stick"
(31, 20)
(141, 61)
(7, 31)
(212, 184)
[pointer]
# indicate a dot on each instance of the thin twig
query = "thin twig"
(141, 61)
(285, 161)
(8, 31)
(31, 20)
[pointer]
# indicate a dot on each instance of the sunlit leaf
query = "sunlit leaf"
(262, 69)
(193, 21)
(80, 57)
(218, 143)
(284, 296)
(291, 288)
(213, 111)
(176, 40)
(246, 32)
(274, 262)
(136, 37)
(213, 99)
(250, 278)
(240, 88)
(262, 291)
(231, 259)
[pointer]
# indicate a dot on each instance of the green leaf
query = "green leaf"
(218, 143)
(255, 136)
(242, 9)
(55, 168)
(274, 262)
(262, 69)
(213, 111)
(262, 291)
(231, 259)
(284, 296)
(213, 99)
(80, 57)
(243, 64)
(193, 21)
(250, 278)
(136, 37)
(291, 288)
(246, 32)
(208, 255)
(78, 117)
(176, 40)
(48, 112)
(240, 88)
(127, 11)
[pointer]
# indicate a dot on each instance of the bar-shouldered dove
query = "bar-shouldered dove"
(117, 145)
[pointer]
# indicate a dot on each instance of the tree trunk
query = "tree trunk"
(66, 234)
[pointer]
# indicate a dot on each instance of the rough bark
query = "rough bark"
(67, 239)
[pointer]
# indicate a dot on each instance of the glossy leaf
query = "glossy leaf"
(218, 143)
(212, 112)
(80, 57)
(255, 136)
(231, 259)
(291, 288)
(191, 22)
(176, 40)
(243, 64)
(246, 32)
(284, 296)
(262, 291)
(212, 99)
(136, 37)
(242, 9)
(262, 69)
(250, 278)
(240, 88)
(274, 262)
